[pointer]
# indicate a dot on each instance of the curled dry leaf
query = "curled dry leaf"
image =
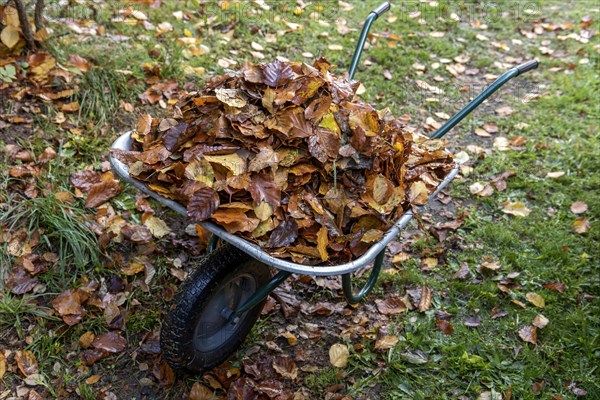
(426, 297)
(338, 355)
(556, 286)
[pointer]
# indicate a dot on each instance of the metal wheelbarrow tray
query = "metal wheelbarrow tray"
(217, 305)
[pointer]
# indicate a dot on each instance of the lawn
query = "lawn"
(509, 252)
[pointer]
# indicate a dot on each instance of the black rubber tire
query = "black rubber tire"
(179, 339)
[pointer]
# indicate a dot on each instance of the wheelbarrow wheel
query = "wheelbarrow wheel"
(197, 333)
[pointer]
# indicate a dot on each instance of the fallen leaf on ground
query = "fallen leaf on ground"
(338, 355)
(581, 225)
(391, 305)
(536, 299)
(579, 207)
(110, 342)
(200, 392)
(386, 342)
(540, 321)
(556, 286)
(516, 208)
(26, 362)
(528, 334)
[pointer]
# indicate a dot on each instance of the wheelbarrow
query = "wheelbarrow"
(217, 305)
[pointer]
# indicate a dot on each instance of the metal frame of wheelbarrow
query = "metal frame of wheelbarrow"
(375, 253)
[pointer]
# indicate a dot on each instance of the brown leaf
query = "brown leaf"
(426, 297)
(285, 234)
(285, 367)
(200, 392)
(69, 305)
(444, 326)
(26, 362)
(386, 342)
(103, 191)
(556, 286)
(322, 243)
(391, 305)
(86, 339)
(262, 188)
(277, 73)
(203, 204)
(2, 365)
(324, 145)
(110, 342)
(528, 334)
(79, 62)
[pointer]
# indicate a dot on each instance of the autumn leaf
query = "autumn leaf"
(110, 342)
(277, 73)
(103, 191)
(444, 326)
(284, 234)
(203, 204)
(581, 225)
(391, 305)
(338, 355)
(285, 367)
(200, 392)
(426, 297)
(536, 299)
(516, 208)
(540, 321)
(528, 334)
(26, 362)
(579, 207)
(386, 342)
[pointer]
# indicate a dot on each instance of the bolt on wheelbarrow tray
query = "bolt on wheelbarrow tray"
(217, 305)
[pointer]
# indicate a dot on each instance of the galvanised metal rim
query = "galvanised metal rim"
(255, 251)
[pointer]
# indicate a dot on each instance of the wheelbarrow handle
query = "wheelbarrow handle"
(376, 13)
(382, 8)
(527, 66)
(497, 84)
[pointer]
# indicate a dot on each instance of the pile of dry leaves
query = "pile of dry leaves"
(286, 156)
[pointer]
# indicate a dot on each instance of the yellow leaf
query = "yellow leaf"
(10, 36)
(581, 225)
(322, 242)
(233, 162)
(201, 171)
(386, 342)
(516, 208)
(417, 193)
(132, 269)
(535, 299)
(157, 226)
(540, 321)
(2, 365)
(338, 355)
(263, 211)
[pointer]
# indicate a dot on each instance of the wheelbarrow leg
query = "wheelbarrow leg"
(258, 296)
(354, 299)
